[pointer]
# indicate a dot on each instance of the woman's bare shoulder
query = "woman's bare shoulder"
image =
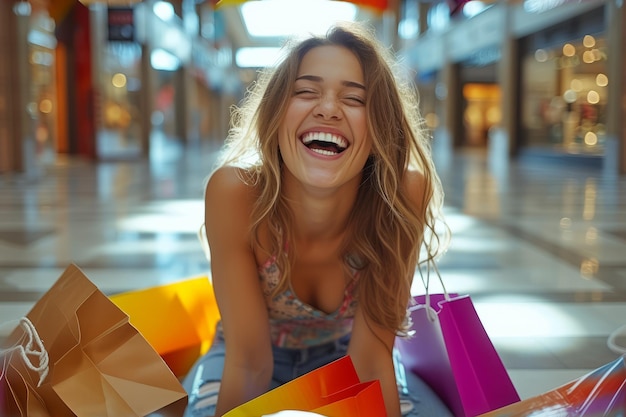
(230, 178)
(415, 186)
(230, 182)
(414, 178)
(229, 196)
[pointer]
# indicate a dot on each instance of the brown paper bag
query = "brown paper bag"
(99, 364)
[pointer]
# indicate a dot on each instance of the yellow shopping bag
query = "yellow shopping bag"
(178, 319)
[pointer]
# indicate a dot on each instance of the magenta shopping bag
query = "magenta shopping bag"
(453, 354)
(600, 393)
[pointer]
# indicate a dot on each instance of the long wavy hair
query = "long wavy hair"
(387, 238)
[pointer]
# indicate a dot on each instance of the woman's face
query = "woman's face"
(323, 137)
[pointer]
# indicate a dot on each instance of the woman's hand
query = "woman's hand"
(370, 349)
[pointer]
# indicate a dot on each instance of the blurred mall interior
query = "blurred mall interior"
(103, 79)
(111, 112)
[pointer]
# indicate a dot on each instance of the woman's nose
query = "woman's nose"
(328, 108)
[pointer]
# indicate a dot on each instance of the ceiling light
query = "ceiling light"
(257, 57)
(164, 10)
(282, 18)
(22, 8)
(472, 8)
(160, 59)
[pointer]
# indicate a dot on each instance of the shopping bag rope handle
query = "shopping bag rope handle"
(33, 348)
(431, 263)
(612, 340)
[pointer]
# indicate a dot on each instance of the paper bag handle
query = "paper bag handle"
(32, 348)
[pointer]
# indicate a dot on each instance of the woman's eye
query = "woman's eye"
(304, 93)
(355, 100)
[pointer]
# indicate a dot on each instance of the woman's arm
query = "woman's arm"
(370, 349)
(371, 345)
(248, 360)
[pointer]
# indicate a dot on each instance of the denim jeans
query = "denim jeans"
(202, 382)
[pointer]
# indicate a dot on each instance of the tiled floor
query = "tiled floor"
(541, 248)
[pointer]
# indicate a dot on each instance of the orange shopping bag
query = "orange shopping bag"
(599, 393)
(333, 390)
(178, 319)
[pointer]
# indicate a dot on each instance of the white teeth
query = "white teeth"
(324, 152)
(324, 137)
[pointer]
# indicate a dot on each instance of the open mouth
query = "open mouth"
(324, 143)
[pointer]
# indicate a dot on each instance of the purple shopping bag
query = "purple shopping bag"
(452, 353)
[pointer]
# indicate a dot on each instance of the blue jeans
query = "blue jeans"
(202, 381)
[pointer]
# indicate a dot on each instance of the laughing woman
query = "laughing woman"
(315, 221)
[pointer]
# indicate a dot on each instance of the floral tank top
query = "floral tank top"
(297, 325)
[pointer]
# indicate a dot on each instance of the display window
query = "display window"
(41, 105)
(120, 83)
(481, 113)
(564, 95)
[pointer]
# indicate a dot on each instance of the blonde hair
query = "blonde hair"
(385, 233)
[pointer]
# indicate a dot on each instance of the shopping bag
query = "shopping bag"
(361, 400)
(333, 390)
(600, 393)
(451, 351)
(178, 319)
(88, 359)
(3, 394)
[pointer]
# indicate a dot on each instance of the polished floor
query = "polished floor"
(541, 247)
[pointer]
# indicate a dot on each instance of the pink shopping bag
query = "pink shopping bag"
(453, 354)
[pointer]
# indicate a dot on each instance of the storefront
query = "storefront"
(564, 87)
(107, 81)
(28, 99)
(118, 80)
(156, 78)
(480, 96)
(554, 88)
(458, 80)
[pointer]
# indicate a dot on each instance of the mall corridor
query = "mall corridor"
(540, 247)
